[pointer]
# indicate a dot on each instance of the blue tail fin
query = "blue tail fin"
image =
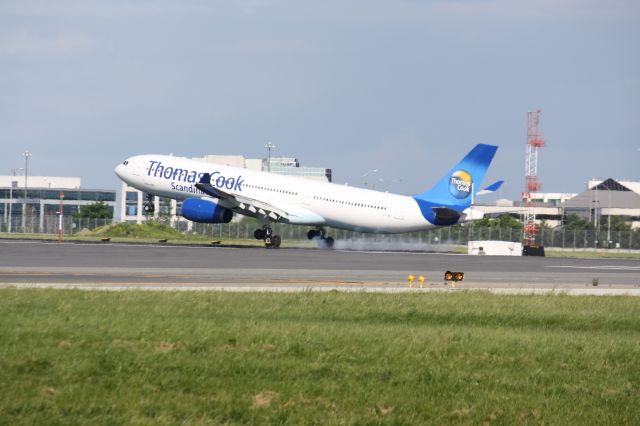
(458, 188)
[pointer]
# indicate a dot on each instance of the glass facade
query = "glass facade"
(131, 206)
(164, 206)
(48, 200)
(291, 166)
(77, 195)
(53, 194)
(16, 210)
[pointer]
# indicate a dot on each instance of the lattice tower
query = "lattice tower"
(532, 184)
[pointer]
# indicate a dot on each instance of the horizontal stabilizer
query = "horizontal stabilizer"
(491, 188)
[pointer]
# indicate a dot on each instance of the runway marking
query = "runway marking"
(605, 267)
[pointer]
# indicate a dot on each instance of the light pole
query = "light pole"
(26, 154)
(609, 222)
(597, 216)
(14, 184)
(269, 147)
(60, 217)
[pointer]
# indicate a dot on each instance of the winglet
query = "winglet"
(491, 188)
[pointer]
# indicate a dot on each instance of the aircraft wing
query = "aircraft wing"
(240, 203)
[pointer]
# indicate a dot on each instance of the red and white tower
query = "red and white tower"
(532, 184)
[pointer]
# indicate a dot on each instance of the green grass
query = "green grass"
(73, 357)
(131, 230)
(599, 254)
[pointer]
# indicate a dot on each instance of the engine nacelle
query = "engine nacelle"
(204, 211)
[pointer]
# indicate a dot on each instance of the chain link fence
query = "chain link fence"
(454, 235)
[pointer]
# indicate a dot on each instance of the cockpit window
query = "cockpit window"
(125, 162)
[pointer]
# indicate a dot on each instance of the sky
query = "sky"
(404, 87)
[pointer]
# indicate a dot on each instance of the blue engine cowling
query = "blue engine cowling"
(204, 211)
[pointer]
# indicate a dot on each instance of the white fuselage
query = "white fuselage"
(307, 202)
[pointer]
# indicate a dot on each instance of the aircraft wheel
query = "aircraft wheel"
(149, 207)
(275, 241)
(329, 242)
(312, 234)
(258, 234)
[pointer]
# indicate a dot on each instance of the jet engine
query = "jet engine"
(204, 211)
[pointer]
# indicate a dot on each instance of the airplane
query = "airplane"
(213, 193)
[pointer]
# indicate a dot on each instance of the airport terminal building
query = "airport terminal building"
(36, 209)
(603, 197)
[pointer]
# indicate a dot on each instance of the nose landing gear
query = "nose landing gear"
(266, 234)
(149, 206)
(319, 235)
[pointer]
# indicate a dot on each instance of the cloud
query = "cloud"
(28, 43)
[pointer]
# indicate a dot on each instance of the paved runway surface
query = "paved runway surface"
(26, 263)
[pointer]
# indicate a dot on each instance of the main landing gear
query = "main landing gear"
(273, 241)
(149, 206)
(320, 236)
(266, 234)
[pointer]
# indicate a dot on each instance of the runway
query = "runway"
(129, 266)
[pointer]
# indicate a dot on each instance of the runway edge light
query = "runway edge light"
(453, 276)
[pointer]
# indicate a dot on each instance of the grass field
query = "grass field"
(225, 358)
(594, 254)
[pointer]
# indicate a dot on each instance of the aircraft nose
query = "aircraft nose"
(120, 170)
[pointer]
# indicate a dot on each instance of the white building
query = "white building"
(36, 208)
(608, 197)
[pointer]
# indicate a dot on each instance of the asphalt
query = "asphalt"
(123, 266)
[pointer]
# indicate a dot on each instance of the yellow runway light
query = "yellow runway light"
(454, 276)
